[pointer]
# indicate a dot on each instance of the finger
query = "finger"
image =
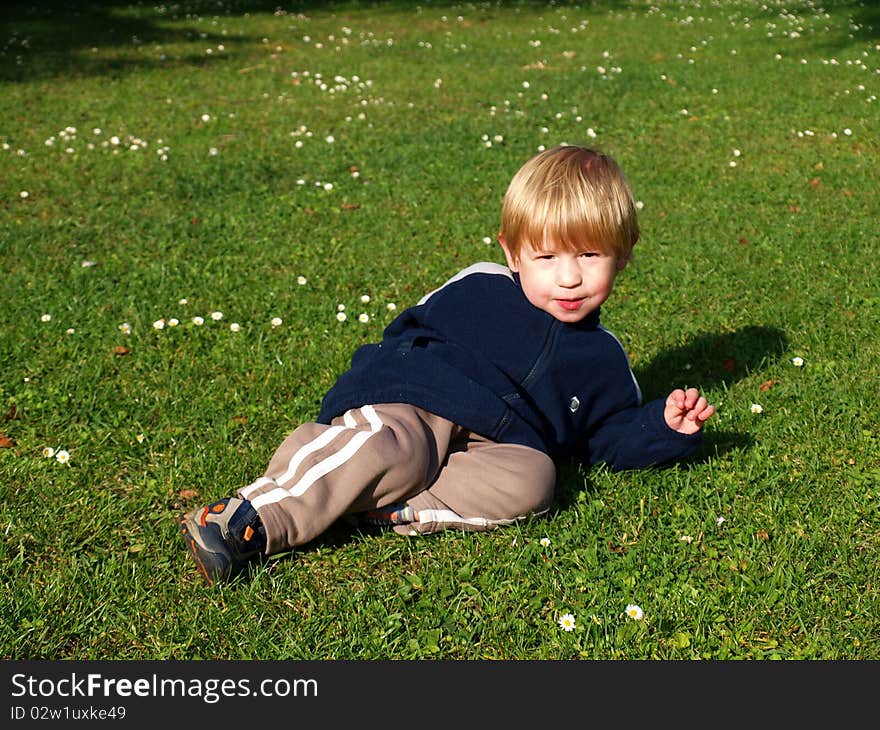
(676, 398)
(697, 412)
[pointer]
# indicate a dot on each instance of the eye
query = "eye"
(589, 254)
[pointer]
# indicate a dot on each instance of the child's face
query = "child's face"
(567, 284)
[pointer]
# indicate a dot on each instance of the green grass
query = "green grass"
(741, 269)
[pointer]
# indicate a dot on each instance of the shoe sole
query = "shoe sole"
(194, 547)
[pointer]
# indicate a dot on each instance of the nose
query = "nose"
(568, 273)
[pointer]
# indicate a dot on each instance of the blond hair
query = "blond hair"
(573, 195)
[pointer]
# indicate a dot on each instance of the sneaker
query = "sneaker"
(223, 537)
(389, 516)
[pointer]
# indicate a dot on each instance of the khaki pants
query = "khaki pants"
(377, 455)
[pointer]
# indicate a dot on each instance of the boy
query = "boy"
(454, 419)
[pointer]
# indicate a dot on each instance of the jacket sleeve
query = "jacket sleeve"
(637, 438)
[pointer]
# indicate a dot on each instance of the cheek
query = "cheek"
(541, 281)
(605, 279)
(535, 292)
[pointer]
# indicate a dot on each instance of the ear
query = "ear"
(621, 263)
(512, 263)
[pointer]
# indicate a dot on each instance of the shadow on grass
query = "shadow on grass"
(54, 38)
(712, 360)
(570, 480)
(48, 38)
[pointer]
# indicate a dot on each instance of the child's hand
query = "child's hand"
(687, 411)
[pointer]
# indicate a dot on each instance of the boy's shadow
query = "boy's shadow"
(708, 361)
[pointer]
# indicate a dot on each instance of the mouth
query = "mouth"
(570, 304)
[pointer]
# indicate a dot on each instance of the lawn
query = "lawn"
(205, 207)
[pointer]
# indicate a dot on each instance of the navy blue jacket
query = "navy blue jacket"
(479, 354)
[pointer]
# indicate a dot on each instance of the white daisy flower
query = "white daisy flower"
(276, 321)
(198, 321)
(216, 316)
(235, 327)
(46, 318)
(544, 541)
(341, 316)
(634, 612)
(391, 306)
(125, 328)
(756, 408)
(797, 361)
(301, 280)
(159, 324)
(364, 318)
(62, 457)
(566, 621)
(48, 452)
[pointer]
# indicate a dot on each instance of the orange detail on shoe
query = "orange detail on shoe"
(248, 533)
(219, 507)
(202, 517)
